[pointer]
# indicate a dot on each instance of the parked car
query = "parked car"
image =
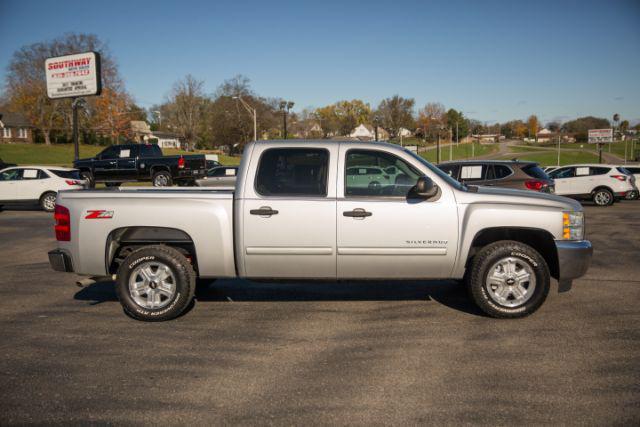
(603, 184)
(635, 171)
(212, 161)
(219, 177)
(4, 165)
(518, 174)
(37, 185)
(633, 195)
(141, 162)
(293, 215)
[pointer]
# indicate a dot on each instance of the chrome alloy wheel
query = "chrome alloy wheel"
(49, 202)
(602, 198)
(152, 285)
(161, 181)
(510, 282)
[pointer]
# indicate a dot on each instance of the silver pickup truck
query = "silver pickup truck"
(323, 210)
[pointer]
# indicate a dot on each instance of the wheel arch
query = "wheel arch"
(122, 241)
(602, 187)
(539, 239)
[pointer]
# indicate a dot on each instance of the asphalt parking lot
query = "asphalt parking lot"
(361, 353)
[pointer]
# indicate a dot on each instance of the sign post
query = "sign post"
(74, 76)
(600, 136)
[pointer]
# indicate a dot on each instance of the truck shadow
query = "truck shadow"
(445, 292)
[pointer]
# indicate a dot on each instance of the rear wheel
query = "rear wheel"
(508, 279)
(155, 283)
(162, 179)
(48, 201)
(603, 197)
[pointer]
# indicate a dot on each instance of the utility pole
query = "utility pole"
(253, 113)
(450, 144)
(438, 149)
(558, 149)
(75, 104)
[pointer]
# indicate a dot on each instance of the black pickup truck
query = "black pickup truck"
(141, 162)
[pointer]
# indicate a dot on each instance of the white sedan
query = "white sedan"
(37, 184)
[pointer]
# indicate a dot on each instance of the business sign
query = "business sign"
(72, 76)
(600, 136)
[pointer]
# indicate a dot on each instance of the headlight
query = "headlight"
(573, 225)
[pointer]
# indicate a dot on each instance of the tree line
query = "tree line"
(221, 119)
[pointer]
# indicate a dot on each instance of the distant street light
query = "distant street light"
(285, 107)
(251, 111)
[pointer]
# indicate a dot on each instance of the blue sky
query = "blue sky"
(494, 60)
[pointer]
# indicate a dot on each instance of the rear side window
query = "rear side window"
(66, 174)
(535, 171)
(599, 171)
(501, 171)
(28, 174)
(633, 170)
(563, 173)
(293, 172)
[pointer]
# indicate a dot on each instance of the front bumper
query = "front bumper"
(60, 261)
(574, 258)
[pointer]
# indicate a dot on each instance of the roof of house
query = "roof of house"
(140, 126)
(9, 119)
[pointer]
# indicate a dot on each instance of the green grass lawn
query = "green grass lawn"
(62, 154)
(616, 149)
(550, 158)
(460, 152)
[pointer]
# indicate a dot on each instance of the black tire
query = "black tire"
(184, 278)
(603, 197)
(521, 254)
(88, 176)
(112, 184)
(48, 201)
(162, 179)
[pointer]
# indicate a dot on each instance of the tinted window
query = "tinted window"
(110, 152)
(10, 175)
(598, 171)
(150, 150)
(501, 171)
(219, 172)
(377, 173)
(624, 170)
(563, 173)
(633, 170)
(293, 171)
(74, 174)
(535, 171)
(451, 170)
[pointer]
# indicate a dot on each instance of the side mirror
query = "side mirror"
(426, 188)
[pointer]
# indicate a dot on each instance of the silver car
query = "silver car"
(219, 177)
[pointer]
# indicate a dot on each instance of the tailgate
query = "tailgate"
(195, 162)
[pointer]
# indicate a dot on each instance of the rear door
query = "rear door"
(289, 213)
(127, 158)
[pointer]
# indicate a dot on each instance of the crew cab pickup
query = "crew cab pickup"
(296, 214)
(141, 162)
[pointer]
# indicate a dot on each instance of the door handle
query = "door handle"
(357, 213)
(263, 211)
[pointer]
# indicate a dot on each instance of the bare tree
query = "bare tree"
(396, 112)
(185, 109)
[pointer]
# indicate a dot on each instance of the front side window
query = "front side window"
(293, 172)
(599, 171)
(563, 173)
(110, 152)
(11, 175)
(377, 173)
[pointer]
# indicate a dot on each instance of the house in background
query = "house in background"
(404, 132)
(164, 139)
(545, 135)
(140, 130)
(368, 133)
(15, 128)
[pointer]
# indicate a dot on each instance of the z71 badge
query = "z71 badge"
(99, 214)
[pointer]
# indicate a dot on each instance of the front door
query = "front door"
(8, 180)
(288, 214)
(384, 233)
(564, 180)
(127, 164)
(105, 165)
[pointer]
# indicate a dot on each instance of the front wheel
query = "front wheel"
(155, 283)
(508, 279)
(603, 197)
(162, 179)
(48, 201)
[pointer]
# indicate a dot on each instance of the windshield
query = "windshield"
(445, 177)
